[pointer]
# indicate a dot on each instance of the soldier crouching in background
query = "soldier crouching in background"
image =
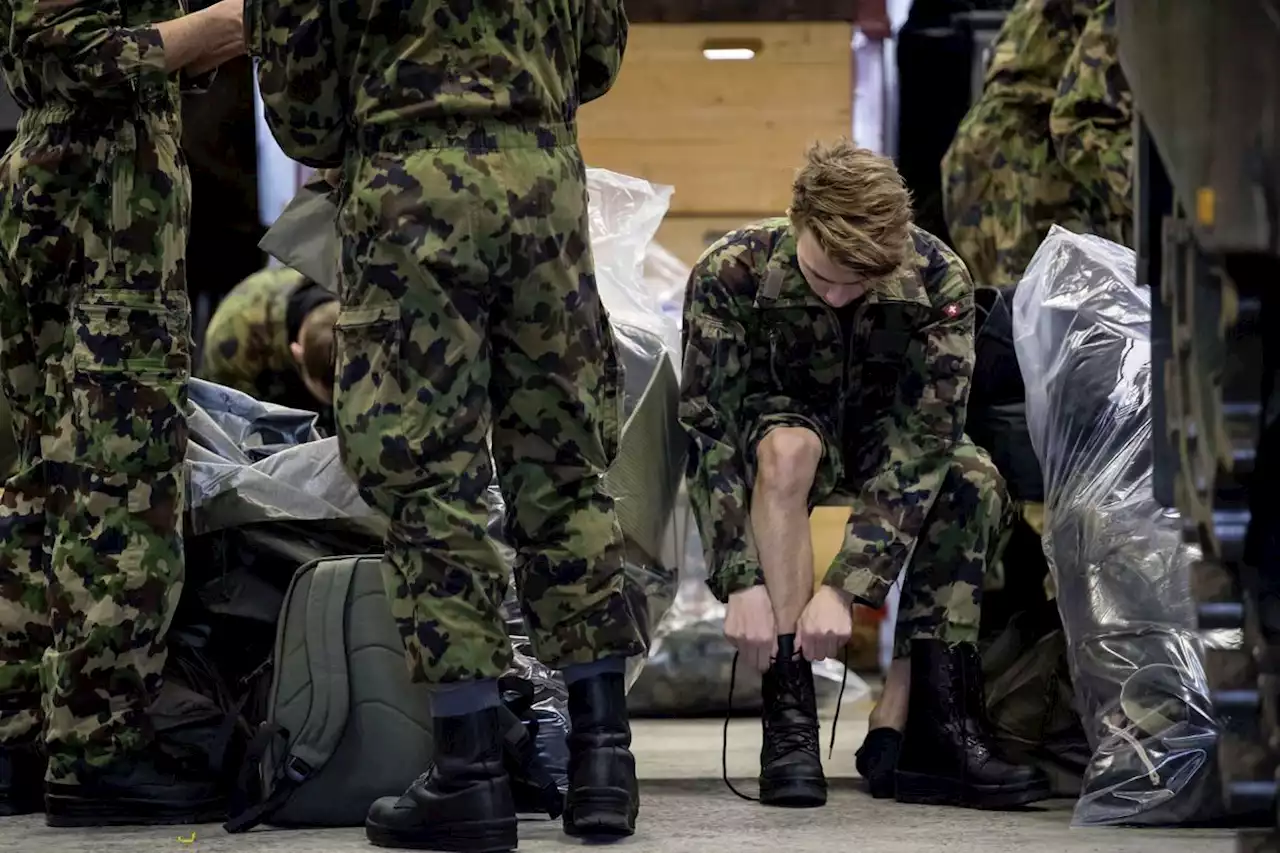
(272, 338)
(827, 361)
(470, 314)
(94, 213)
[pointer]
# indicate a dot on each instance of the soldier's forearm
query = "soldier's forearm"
(203, 40)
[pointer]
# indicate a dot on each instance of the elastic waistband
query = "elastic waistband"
(473, 136)
(156, 116)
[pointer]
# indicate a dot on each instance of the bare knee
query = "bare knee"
(787, 462)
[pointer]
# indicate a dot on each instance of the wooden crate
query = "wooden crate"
(728, 135)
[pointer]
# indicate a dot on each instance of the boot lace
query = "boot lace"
(788, 738)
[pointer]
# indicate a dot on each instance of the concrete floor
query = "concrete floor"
(686, 807)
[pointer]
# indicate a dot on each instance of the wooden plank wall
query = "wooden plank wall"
(728, 135)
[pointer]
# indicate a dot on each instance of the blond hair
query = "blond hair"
(319, 351)
(856, 206)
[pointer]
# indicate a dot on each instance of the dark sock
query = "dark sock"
(604, 666)
(786, 646)
(460, 698)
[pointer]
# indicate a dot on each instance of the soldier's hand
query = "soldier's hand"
(825, 625)
(749, 626)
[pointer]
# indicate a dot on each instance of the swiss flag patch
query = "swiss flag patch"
(951, 310)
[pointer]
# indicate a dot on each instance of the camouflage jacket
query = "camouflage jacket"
(246, 345)
(362, 74)
(1048, 142)
(96, 54)
(762, 350)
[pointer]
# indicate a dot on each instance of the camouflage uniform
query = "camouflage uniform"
(96, 357)
(884, 383)
(246, 346)
(469, 307)
(1050, 140)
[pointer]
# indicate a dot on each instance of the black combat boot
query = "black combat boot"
(21, 779)
(790, 759)
(948, 753)
(153, 787)
(604, 796)
(463, 803)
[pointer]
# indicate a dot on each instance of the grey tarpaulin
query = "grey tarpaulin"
(304, 235)
(1081, 329)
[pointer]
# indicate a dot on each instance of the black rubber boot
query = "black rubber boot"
(150, 788)
(604, 796)
(948, 754)
(463, 803)
(877, 760)
(21, 779)
(790, 759)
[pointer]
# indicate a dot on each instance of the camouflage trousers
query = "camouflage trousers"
(470, 311)
(95, 361)
(942, 584)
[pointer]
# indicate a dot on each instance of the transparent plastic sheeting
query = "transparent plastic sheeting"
(1081, 331)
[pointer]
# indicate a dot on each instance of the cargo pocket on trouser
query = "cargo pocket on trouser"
(612, 403)
(368, 402)
(131, 361)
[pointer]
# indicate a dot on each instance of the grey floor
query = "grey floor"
(687, 808)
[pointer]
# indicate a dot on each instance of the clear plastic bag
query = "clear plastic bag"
(625, 213)
(1082, 334)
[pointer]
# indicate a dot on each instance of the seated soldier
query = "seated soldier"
(827, 361)
(272, 337)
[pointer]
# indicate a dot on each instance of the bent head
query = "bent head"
(851, 213)
(316, 353)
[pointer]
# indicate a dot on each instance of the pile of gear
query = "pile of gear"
(288, 671)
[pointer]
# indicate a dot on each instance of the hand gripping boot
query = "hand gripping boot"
(790, 758)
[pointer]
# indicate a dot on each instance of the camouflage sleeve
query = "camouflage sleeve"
(81, 49)
(716, 360)
(300, 76)
(604, 40)
(889, 511)
(1092, 117)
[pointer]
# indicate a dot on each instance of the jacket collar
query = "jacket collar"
(782, 285)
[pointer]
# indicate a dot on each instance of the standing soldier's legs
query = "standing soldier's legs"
(108, 212)
(420, 266)
(557, 397)
(947, 755)
(32, 329)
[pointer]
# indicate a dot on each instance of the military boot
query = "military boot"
(790, 759)
(21, 779)
(948, 753)
(152, 787)
(604, 796)
(463, 803)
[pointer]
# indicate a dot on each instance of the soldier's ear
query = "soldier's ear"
(296, 349)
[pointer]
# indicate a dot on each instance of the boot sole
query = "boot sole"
(63, 811)
(600, 813)
(794, 793)
(919, 789)
(488, 836)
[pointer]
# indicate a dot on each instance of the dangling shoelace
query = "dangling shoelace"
(724, 741)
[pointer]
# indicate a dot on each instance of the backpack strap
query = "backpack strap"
(326, 720)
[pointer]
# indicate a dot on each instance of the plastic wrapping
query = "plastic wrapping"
(625, 213)
(1081, 330)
